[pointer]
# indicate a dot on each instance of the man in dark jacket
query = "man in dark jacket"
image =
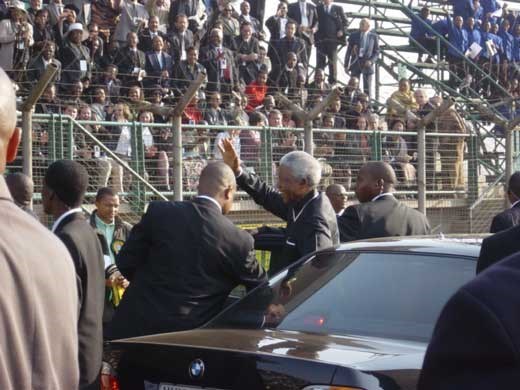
(476, 340)
(379, 214)
(497, 247)
(183, 259)
(311, 220)
(64, 186)
(510, 217)
(113, 233)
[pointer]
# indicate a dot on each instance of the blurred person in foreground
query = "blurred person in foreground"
(64, 187)
(477, 336)
(183, 259)
(510, 217)
(38, 331)
(21, 187)
(311, 220)
(379, 214)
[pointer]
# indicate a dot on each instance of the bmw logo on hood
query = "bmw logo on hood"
(196, 369)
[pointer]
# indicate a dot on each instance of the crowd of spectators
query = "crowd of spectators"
(117, 58)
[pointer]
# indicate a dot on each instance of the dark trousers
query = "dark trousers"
(327, 50)
(367, 78)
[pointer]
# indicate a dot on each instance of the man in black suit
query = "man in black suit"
(498, 246)
(362, 53)
(64, 187)
(290, 44)
(510, 217)
(188, 70)
(379, 214)
(147, 35)
(476, 339)
(183, 259)
(311, 220)
(130, 60)
(159, 65)
(305, 14)
(276, 26)
(180, 39)
(219, 62)
(245, 16)
(332, 29)
(38, 64)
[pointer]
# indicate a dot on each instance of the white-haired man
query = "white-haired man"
(311, 220)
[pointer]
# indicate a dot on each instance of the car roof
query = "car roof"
(458, 245)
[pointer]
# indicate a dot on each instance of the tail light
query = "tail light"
(108, 378)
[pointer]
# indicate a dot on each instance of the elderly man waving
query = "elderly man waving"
(311, 221)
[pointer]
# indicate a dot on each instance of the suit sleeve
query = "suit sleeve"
(263, 194)
(78, 264)
(245, 266)
(499, 223)
(316, 236)
(135, 250)
(469, 346)
(375, 52)
(349, 224)
(486, 257)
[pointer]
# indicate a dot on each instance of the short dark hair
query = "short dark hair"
(105, 191)
(68, 179)
(513, 184)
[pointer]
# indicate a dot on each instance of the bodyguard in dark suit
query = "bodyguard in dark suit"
(276, 26)
(362, 53)
(497, 247)
(130, 60)
(476, 341)
(379, 214)
(188, 70)
(147, 35)
(183, 259)
(311, 220)
(510, 217)
(181, 39)
(64, 186)
(332, 26)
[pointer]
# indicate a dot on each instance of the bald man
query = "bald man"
(183, 259)
(21, 187)
(338, 197)
(379, 214)
(38, 327)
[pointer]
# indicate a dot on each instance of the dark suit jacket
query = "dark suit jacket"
(314, 229)
(154, 69)
(146, 41)
(294, 12)
(506, 219)
(209, 59)
(175, 40)
(84, 247)
(498, 246)
(182, 260)
(71, 57)
(476, 342)
(126, 60)
(36, 68)
(184, 75)
(353, 61)
(296, 45)
(329, 24)
(255, 23)
(385, 217)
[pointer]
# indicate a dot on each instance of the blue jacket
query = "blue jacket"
(486, 36)
(507, 44)
(474, 36)
(489, 6)
(458, 37)
(516, 49)
(462, 8)
(419, 30)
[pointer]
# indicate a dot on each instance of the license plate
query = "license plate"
(170, 386)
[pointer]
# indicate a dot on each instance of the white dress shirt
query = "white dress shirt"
(63, 216)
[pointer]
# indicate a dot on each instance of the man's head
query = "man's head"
(181, 22)
(85, 113)
(299, 173)
(132, 40)
(425, 12)
(470, 22)
(153, 23)
(364, 25)
(245, 8)
(421, 97)
(107, 205)
(338, 197)
(353, 83)
(261, 77)
(275, 118)
(217, 181)
(269, 102)
(319, 76)
(282, 9)
(64, 186)
(458, 21)
(374, 178)
(216, 37)
(193, 55)
(246, 30)
(290, 29)
(328, 121)
(157, 43)
(21, 188)
(292, 60)
(513, 187)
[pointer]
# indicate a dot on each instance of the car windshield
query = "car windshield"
(389, 295)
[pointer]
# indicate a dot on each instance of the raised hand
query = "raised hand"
(229, 155)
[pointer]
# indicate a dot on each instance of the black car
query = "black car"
(358, 316)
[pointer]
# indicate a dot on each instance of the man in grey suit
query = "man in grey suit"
(379, 214)
(510, 217)
(39, 306)
(362, 53)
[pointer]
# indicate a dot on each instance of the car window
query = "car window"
(391, 295)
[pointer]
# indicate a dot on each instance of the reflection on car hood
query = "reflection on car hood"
(353, 351)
